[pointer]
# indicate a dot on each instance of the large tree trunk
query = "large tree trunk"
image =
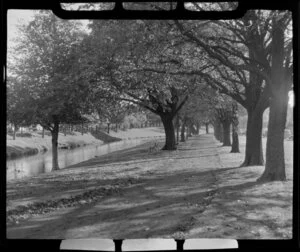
(221, 133)
(206, 128)
(14, 132)
(254, 151)
(280, 85)
(189, 130)
(177, 129)
(235, 148)
(275, 164)
(54, 134)
(170, 143)
(226, 133)
(108, 128)
(217, 130)
(197, 128)
(182, 136)
(193, 129)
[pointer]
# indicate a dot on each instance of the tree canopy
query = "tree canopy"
(59, 73)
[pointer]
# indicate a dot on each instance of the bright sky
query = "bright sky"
(15, 17)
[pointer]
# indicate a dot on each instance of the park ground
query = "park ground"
(198, 191)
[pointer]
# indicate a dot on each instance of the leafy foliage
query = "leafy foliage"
(17, 98)
(44, 65)
(111, 111)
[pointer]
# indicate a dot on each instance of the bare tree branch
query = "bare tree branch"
(221, 58)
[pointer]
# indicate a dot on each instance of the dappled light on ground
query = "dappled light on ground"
(166, 194)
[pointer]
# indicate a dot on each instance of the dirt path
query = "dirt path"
(160, 202)
(197, 191)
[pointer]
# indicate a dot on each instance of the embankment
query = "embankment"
(33, 143)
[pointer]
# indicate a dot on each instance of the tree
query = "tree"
(112, 111)
(235, 148)
(177, 127)
(280, 85)
(196, 111)
(231, 59)
(227, 43)
(245, 51)
(223, 112)
(217, 129)
(224, 115)
(46, 64)
(185, 121)
(166, 108)
(123, 53)
(18, 99)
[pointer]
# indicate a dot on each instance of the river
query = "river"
(41, 163)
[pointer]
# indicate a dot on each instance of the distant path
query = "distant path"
(168, 191)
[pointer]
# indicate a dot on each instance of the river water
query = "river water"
(41, 163)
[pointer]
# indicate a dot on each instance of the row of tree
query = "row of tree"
(187, 72)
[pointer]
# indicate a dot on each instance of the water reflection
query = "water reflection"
(41, 163)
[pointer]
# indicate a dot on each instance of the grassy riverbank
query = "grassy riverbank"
(33, 143)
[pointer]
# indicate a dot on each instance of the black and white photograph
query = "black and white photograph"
(149, 128)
